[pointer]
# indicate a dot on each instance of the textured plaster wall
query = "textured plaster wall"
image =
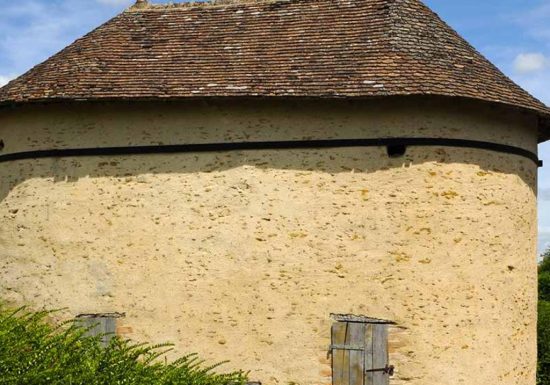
(243, 255)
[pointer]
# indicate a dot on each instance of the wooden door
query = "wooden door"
(360, 354)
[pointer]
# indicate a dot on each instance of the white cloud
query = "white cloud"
(4, 80)
(536, 22)
(544, 215)
(544, 198)
(115, 2)
(530, 62)
(536, 82)
(544, 239)
(33, 30)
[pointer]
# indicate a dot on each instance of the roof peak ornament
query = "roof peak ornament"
(141, 4)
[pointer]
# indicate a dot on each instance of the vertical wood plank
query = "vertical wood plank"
(346, 355)
(359, 347)
(380, 354)
(91, 324)
(369, 377)
(338, 338)
(109, 328)
(356, 357)
(104, 326)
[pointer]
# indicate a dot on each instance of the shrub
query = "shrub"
(34, 352)
(543, 337)
(543, 375)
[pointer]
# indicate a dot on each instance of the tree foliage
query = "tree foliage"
(545, 263)
(543, 376)
(543, 372)
(33, 352)
(544, 285)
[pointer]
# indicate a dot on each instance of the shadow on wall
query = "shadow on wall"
(369, 162)
(61, 126)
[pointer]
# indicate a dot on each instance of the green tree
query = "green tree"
(543, 372)
(544, 277)
(545, 263)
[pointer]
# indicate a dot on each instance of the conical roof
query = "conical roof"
(300, 48)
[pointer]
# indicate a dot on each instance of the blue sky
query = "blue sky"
(513, 34)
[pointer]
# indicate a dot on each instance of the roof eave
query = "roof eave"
(543, 115)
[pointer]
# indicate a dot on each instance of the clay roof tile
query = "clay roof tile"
(290, 48)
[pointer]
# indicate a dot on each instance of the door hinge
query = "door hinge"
(389, 370)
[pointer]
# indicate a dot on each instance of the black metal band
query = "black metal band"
(274, 145)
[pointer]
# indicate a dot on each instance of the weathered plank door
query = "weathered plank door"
(99, 325)
(360, 354)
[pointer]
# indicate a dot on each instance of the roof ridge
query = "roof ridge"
(147, 6)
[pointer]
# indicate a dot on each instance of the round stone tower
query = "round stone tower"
(347, 205)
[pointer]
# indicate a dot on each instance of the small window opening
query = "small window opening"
(103, 325)
(1, 145)
(396, 150)
(359, 350)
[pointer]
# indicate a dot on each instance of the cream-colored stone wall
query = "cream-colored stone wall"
(243, 255)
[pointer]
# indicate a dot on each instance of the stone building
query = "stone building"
(227, 175)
